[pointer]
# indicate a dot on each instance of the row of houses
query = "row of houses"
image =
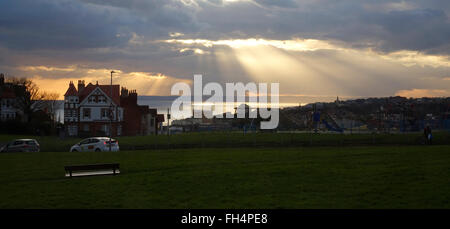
(95, 109)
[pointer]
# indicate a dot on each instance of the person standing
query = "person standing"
(427, 134)
(430, 136)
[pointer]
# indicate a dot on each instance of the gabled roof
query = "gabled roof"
(105, 88)
(72, 91)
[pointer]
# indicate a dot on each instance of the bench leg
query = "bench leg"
(114, 171)
(70, 173)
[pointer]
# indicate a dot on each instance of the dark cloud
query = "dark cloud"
(159, 17)
(63, 24)
(421, 29)
(32, 24)
(384, 25)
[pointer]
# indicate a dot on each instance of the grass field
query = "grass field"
(238, 139)
(296, 177)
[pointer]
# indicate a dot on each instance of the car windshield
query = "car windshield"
(31, 142)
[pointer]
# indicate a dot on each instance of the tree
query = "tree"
(30, 99)
(50, 104)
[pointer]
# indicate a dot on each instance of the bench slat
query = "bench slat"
(71, 169)
(91, 167)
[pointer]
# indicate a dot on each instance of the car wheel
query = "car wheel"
(97, 150)
(74, 150)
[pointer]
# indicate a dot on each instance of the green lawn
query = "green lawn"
(302, 177)
(238, 139)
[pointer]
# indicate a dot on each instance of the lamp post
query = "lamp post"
(110, 112)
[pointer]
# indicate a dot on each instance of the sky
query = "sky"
(315, 49)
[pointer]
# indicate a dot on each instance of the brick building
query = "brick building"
(89, 109)
(138, 119)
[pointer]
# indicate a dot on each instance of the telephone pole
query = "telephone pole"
(168, 121)
(110, 111)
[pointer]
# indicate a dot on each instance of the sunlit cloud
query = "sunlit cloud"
(419, 93)
(291, 45)
(196, 50)
(148, 75)
(176, 34)
(145, 83)
(47, 69)
(411, 58)
(404, 57)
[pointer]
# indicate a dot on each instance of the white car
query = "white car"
(96, 144)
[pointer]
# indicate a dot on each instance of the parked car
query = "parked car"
(21, 145)
(96, 144)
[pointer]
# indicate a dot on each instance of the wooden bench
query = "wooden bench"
(92, 170)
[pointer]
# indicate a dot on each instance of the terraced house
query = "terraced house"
(89, 110)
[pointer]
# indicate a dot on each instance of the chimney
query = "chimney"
(124, 92)
(133, 96)
(80, 85)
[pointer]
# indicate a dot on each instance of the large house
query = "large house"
(89, 110)
(8, 99)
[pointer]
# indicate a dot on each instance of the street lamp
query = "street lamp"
(110, 112)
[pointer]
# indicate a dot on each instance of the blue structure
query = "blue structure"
(329, 127)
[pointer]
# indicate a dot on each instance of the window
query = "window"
(87, 112)
(31, 143)
(105, 113)
(91, 99)
(101, 99)
(119, 130)
(85, 141)
(86, 127)
(105, 129)
(17, 143)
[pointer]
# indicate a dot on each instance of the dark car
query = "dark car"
(21, 145)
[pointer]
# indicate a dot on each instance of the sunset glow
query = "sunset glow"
(360, 55)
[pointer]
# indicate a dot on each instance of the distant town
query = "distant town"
(381, 115)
